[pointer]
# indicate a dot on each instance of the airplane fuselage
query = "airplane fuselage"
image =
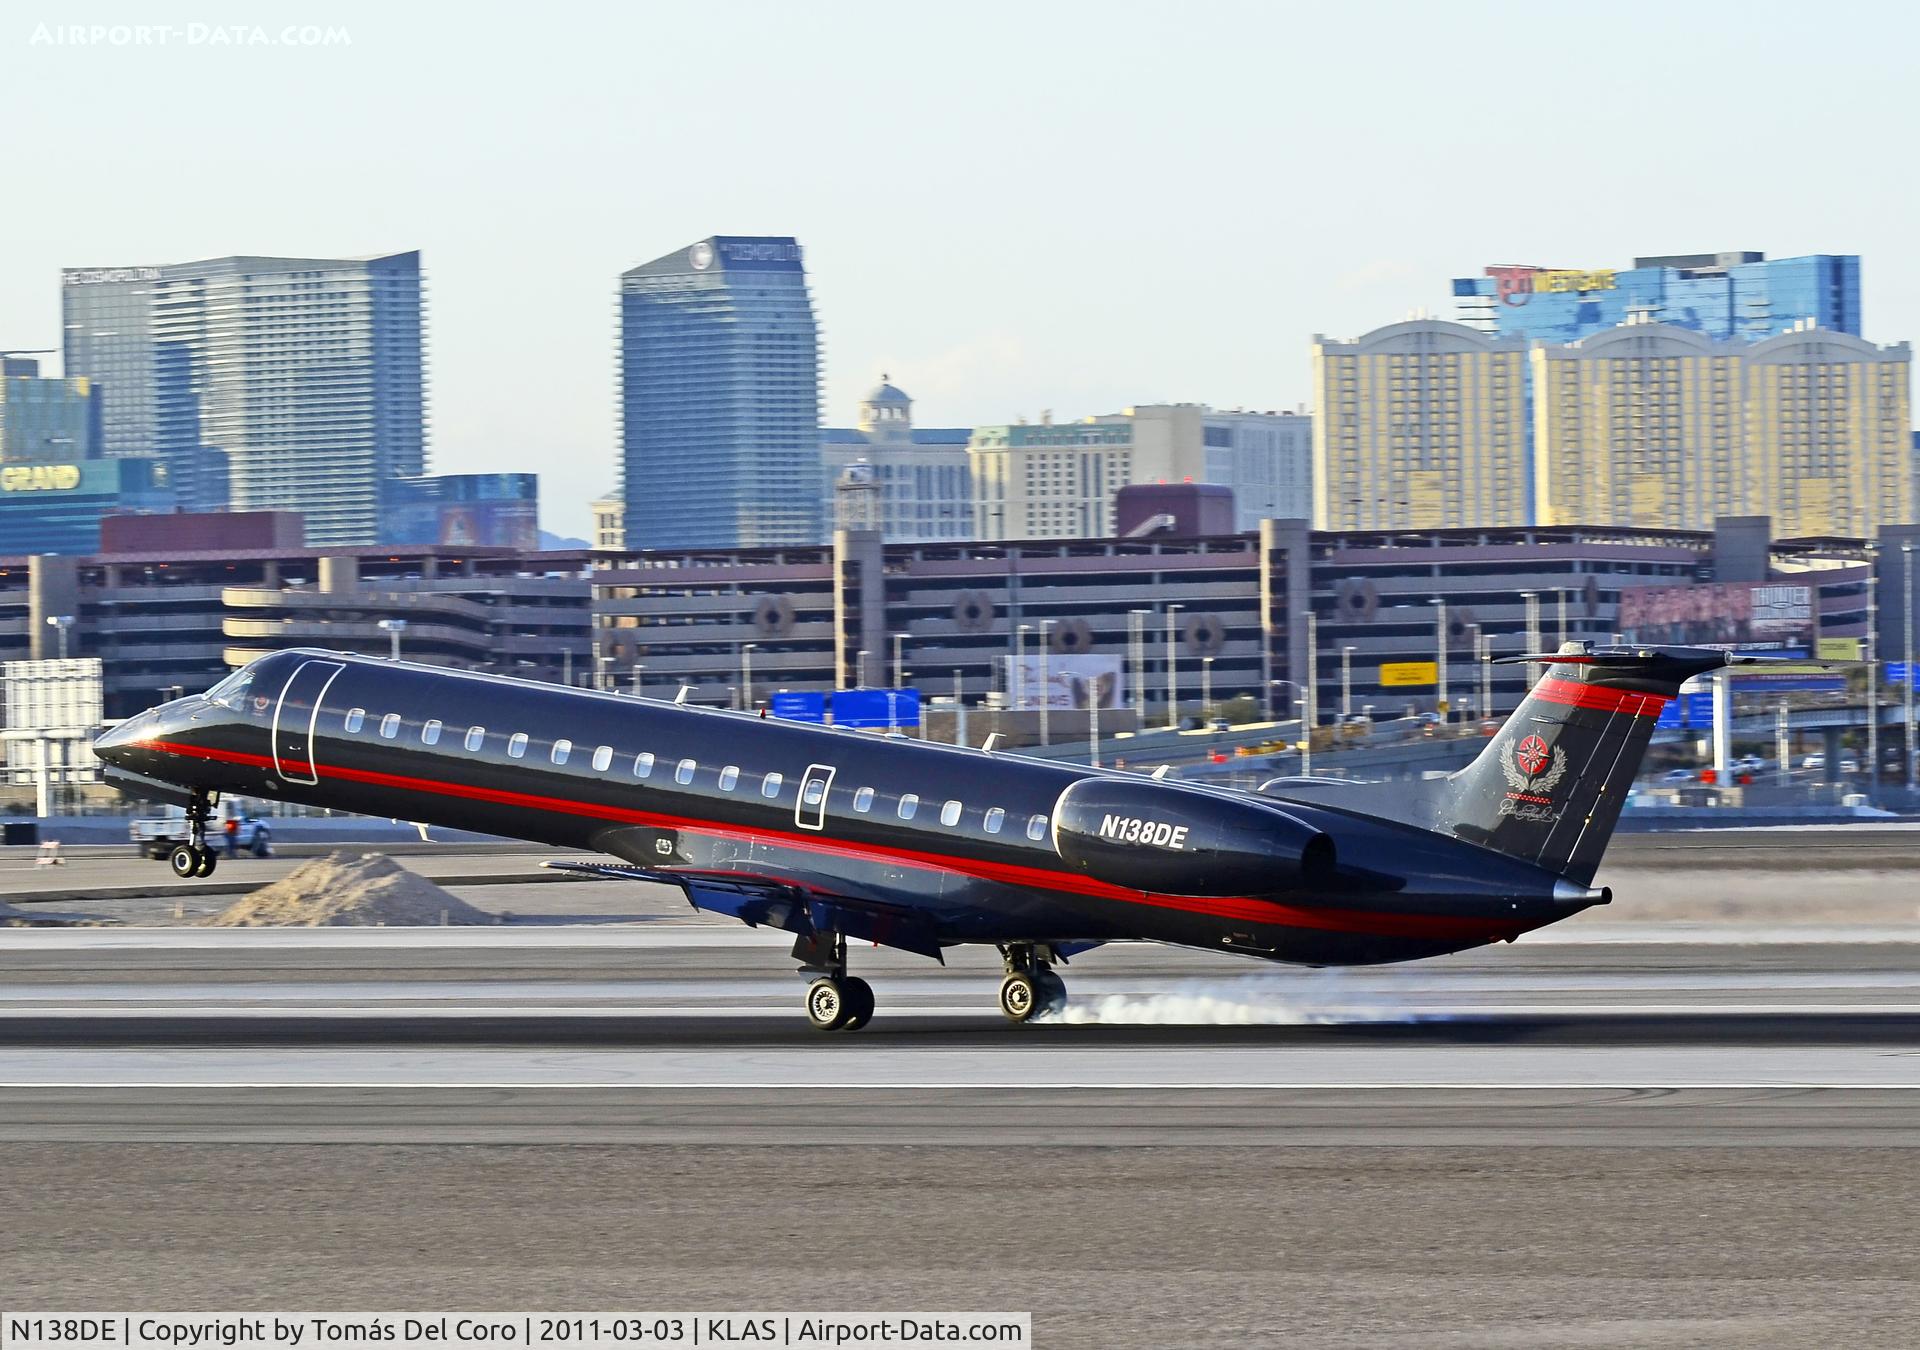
(962, 841)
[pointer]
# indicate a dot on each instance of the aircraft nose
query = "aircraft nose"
(115, 743)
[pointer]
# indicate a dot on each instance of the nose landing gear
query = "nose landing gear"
(1030, 987)
(194, 858)
(836, 1001)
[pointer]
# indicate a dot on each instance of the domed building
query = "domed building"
(918, 477)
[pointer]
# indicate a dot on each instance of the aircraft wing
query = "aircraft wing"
(792, 904)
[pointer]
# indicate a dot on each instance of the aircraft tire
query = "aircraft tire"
(1053, 992)
(208, 861)
(828, 1007)
(1020, 997)
(859, 996)
(184, 859)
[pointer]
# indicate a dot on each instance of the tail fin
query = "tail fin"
(1550, 785)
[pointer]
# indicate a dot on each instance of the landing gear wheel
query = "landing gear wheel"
(208, 861)
(1019, 996)
(859, 996)
(1053, 992)
(827, 1004)
(184, 859)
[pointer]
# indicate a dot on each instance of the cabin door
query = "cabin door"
(296, 717)
(810, 809)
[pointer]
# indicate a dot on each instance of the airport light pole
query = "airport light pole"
(1440, 667)
(1206, 689)
(1137, 659)
(1310, 689)
(899, 661)
(393, 628)
(1483, 652)
(1906, 605)
(1346, 683)
(1019, 680)
(1873, 673)
(61, 624)
(1563, 616)
(746, 675)
(1533, 634)
(1046, 678)
(1173, 673)
(637, 668)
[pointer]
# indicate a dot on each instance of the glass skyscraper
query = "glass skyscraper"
(720, 397)
(1718, 295)
(261, 383)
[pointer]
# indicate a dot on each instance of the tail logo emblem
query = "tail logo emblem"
(1533, 768)
(1531, 756)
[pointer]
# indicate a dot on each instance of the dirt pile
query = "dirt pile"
(344, 890)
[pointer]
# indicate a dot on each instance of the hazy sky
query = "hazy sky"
(1008, 207)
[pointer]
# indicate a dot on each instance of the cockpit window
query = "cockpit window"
(231, 693)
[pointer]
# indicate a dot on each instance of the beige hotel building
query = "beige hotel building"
(1421, 425)
(1655, 426)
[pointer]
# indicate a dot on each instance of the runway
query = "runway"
(1597, 1139)
(667, 1034)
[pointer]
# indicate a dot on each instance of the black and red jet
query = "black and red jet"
(835, 835)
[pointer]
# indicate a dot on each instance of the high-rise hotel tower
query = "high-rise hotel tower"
(720, 397)
(261, 383)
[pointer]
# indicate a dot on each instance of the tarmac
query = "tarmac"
(1630, 1129)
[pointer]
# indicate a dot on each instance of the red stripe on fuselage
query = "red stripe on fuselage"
(1245, 908)
(1598, 697)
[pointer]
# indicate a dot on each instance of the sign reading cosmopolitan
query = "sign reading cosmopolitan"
(735, 253)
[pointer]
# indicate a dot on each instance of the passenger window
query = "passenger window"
(356, 718)
(602, 758)
(643, 764)
(729, 777)
(390, 726)
(562, 749)
(814, 792)
(1037, 827)
(771, 787)
(995, 819)
(863, 799)
(909, 804)
(476, 737)
(517, 745)
(950, 814)
(430, 733)
(684, 772)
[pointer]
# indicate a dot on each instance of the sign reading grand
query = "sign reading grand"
(1515, 285)
(39, 477)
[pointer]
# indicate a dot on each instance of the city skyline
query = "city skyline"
(1253, 215)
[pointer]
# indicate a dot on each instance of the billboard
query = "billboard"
(1065, 682)
(1409, 674)
(876, 708)
(1761, 615)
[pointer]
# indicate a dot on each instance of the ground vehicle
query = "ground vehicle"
(1814, 762)
(1678, 776)
(157, 836)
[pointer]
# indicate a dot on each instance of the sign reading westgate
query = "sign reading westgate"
(39, 477)
(1515, 285)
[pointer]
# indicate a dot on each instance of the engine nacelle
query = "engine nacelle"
(1156, 838)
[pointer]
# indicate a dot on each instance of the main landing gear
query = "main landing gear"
(194, 858)
(836, 1001)
(1030, 987)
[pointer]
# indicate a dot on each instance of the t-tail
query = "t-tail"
(1550, 785)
